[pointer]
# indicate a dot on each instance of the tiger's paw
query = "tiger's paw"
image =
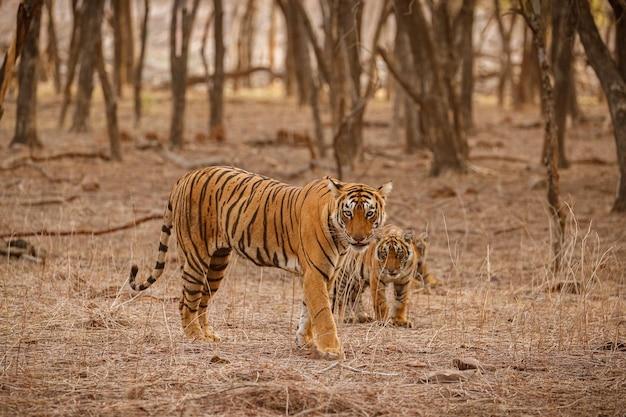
(303, 340)
(194, 332)
(402, 323)
(432, 282)
(364, 318)
(330, 354)
(359, 318)
(210, 336)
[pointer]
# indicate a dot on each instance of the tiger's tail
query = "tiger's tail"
(166, 231)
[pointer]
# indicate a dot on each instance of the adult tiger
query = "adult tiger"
(396, 257)
(306, 230)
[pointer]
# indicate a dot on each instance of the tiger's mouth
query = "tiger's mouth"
(359, 246)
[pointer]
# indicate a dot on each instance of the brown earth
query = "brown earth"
(74, 342)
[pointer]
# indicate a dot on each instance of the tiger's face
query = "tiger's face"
(358, 213)
(399, 251)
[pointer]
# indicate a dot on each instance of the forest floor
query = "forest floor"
(74, 341)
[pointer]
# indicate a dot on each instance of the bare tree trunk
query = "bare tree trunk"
(23, 21)
(124, 44)
(110, 100)
(563, 33)
(119, 69)
(72, 61)
(271, 36)
(506, 66)
(467, 62)
(293, 69)
(303, 58)
(528, 81)
(245, 41)
(179, 52)
(87, 66)
(346, 138)
(619, 12)
(448, 148)
(52, 50)
(536, 25)
(291, 81)
(129, 40)
(216, 118)
(26, 117)
(611, 76)
(413, 135)
(138, 79)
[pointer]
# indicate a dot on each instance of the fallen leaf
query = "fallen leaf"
(416, 364)
(443, 192)
(217, 359)
(90, 185)
(466, 363)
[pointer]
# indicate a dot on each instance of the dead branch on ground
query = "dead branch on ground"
(44, 173)
(79, 232)
(11, 164)
(45, 201)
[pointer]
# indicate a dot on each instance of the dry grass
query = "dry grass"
(73, 341)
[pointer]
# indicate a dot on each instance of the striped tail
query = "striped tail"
(166, 231)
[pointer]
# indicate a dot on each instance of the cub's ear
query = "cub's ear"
(421, 242)
(386, 188)
(334, 186)
(409, 235)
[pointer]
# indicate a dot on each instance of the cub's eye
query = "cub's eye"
(370, 214)
(347, 213)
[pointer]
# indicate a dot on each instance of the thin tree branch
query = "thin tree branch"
(395, 72)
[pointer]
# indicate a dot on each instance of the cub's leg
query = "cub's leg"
(427, 279)
(193, 286)
(214, 276)
(378, 298)
(359, 311)
(400, 309)
(343, 301)
(322, 321)
(304, 334)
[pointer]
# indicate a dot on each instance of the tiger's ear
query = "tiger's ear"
(409, 235)
(385, 189)
(334, 186)
(421, 242)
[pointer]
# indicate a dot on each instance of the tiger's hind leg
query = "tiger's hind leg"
(193, 286)
(214, 276)
(304, 334)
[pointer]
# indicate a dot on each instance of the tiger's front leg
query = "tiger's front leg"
(402, 301)
(378, 298)
(324, 330)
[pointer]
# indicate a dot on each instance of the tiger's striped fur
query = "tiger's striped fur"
(396, 257)
(305, 230)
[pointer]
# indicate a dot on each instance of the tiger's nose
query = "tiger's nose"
(359, 238)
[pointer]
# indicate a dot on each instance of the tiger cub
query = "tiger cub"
(305, 230)
(397, 257)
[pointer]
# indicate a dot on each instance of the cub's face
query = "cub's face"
(359, 211)
(399, 251)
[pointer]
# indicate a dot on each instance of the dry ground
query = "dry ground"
(73, 342)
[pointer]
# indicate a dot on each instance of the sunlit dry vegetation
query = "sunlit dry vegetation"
(516, 324)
